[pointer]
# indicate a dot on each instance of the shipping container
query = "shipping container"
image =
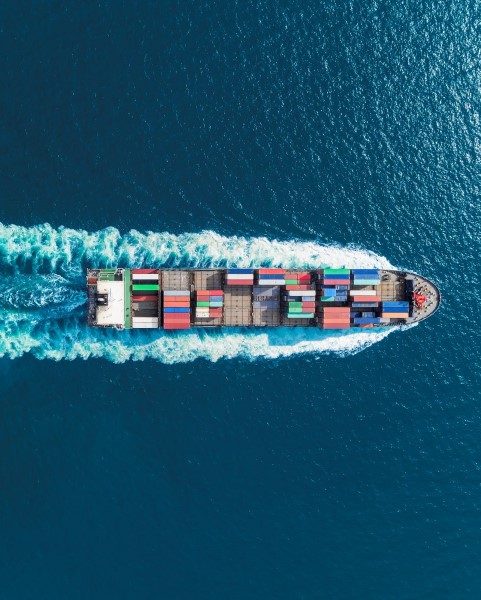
(392, 315)
(364, 298)
(360, 320)
(176, 326)
(240, 277)
(362, 292)
(366, 281)
(143, 298)
(337, 271)
(145, 287)
(240, 271)
(176, 293)
(240, 282)
(335, 282)
(144, 271)
(300, 315)
(304, 293)
(145, 319)
(145, 277)
(336, 326)
(365, 304)
(145, 325)
(176, 310)
(271, 271)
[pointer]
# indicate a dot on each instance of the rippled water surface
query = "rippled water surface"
(240, 464)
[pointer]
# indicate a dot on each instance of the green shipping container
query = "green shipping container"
(216, 304)
(145, 287)
(327, 299)
(203, 303)
(295, 309)
(300, 316)
(291, 282)
(295, 305)
(337, 271)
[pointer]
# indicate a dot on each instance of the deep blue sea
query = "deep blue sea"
(240, 465)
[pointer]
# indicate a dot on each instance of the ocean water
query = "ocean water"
(241, 464)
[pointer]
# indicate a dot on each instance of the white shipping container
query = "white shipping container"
(145, 326)
(149, 277)
(362, 293)
(268, 282)
(176, 293)
(233, 276)
(302, 293)
(145, 320)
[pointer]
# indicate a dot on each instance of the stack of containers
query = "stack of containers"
(335, 285)
(395, 310)
(336, 317)
(176, 309)
(297, 281)
(301, 304)
(145, 289)
(271, 277)
(366, 277)
(240, 276)
(209, 304)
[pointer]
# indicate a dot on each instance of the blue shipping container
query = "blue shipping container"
(365, 304)
(399, 303)
(362, 320)
(216, 298)
(272, 276)
(346, 277)
(177, 310)
(365, 271)
(395, 309)
(240, 271)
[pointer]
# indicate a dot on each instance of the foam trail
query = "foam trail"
(42, 295)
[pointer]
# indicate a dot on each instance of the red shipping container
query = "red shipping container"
(298, 287)
(335, 320)
(144, 298)
(271, 271)
(366, 299)
(176, 303)
(177, 326)
(145, 271)
(240, 282)
(304, 277)
(216, 293)
(337, 309)
(176, 319)
(335, 326)
(336, 282)
(203, 292)
(215, 312)
(308, 305)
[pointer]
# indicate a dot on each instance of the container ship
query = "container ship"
(324, 298)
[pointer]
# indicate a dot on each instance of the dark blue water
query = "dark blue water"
(252, 471)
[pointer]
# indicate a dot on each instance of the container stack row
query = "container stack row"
(145, 298)
(271, 277)
(335, 285)
(301, 304)
(176, 309)
(209, 304)
(297, 281)
(240, 277)
(395, 310)
(336, 317)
